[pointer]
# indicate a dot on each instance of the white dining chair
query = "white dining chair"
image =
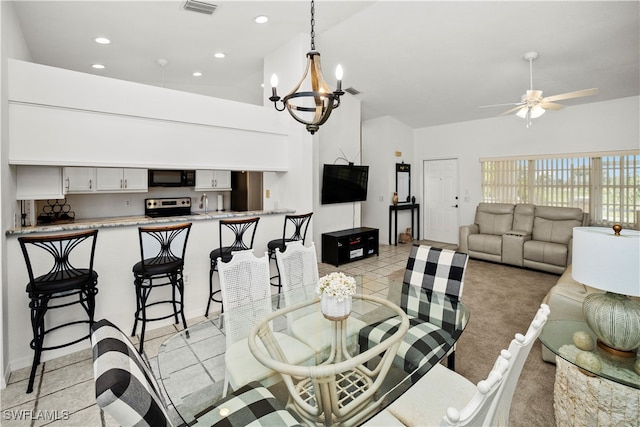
(298, 267)
(443, 391)
(246, 291)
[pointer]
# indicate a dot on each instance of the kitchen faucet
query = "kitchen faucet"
(204, 203)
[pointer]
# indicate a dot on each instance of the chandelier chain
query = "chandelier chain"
(313, 23)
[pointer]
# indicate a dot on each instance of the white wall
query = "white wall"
(381, 138)
(338, 137)
(337, 140)
(12, 44)
(601, 126)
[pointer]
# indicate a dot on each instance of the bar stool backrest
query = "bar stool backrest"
(244, 232)
(50, 259)
(163, 245)
(297, 226)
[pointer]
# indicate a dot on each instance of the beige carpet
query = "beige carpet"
(503, 301)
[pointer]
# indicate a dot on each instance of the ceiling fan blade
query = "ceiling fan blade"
(569, 95)
(550, 106)
(501, 105)
(513, 110)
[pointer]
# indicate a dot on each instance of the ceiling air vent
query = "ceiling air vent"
(200, 7)
(352, 91)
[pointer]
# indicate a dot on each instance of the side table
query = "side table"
(608, 396)
(393, 211)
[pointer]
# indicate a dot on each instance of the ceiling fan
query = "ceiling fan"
(532, 105)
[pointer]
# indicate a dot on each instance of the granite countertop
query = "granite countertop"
(124, 221)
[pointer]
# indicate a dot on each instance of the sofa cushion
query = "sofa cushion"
(523, 217)
(546, 252)
(485, 243)
(494, 218)
(553, 224)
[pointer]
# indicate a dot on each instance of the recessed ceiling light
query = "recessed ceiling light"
(98, 66)
(261, 19)
(102, 40)
(219, 55)
(197, 74)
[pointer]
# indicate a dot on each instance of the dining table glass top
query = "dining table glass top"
(192, 362)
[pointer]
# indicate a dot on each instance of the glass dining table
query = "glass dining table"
(192, 362)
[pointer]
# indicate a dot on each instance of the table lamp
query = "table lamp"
(610, 261)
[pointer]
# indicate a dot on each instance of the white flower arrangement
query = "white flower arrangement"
(338, 285)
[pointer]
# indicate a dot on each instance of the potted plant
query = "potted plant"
(336, 290)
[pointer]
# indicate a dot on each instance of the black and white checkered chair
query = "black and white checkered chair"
(127, 390)
(430, 271)
(125, 387)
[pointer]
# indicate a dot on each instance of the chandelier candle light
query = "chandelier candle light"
(610, 261)
(336, 290)
(311, 105)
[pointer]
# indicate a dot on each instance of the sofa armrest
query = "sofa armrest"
(464, 233)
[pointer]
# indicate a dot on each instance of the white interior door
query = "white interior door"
(440, 197)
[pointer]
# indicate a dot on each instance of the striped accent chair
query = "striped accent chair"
(127, 390)
(430, 272)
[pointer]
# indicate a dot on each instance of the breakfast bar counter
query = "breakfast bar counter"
(117, 250)
(138, 220)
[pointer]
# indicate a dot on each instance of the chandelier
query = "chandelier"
(310, 107)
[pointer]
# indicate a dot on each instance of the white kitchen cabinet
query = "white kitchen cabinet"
(79, 180)
(217, 180)
(39, 183)
(121, 180)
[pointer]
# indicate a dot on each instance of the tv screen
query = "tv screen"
(344, 183)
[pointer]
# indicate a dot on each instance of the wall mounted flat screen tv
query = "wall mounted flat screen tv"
(344, 183)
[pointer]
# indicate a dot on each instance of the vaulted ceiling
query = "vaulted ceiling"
(424, 63)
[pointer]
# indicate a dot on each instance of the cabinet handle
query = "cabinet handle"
(212, 184)
(90, 184)
(67, 189)
(121, 184)
(125, 183)
(215, 182)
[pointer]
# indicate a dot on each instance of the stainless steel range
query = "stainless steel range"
(177, 206)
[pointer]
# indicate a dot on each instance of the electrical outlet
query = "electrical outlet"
(187, 278)
(127, 202)
(267, 193)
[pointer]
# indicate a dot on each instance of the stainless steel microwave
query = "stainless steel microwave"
(172, 178)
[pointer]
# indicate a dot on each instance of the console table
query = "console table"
(587, 396)
(393, 211)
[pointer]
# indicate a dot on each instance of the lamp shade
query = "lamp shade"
(606, 261)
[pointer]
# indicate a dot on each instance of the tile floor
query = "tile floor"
(65, 396)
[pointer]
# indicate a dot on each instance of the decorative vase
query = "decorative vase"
(334, 309)
(394, 199)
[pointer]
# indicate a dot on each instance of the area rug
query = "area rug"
(502, 302)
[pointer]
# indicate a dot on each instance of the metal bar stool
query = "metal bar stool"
(241, 229)
(162, 262)
(297, 226)
(70, 280)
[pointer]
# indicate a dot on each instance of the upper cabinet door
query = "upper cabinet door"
(222, 180)
(135, 179)
(109, 179)
(216, 180)
(39, 183)
(121, 179)
(79, 180)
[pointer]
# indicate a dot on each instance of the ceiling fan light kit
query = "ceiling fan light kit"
(532, 105)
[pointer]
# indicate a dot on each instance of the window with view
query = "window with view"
(607, 185)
